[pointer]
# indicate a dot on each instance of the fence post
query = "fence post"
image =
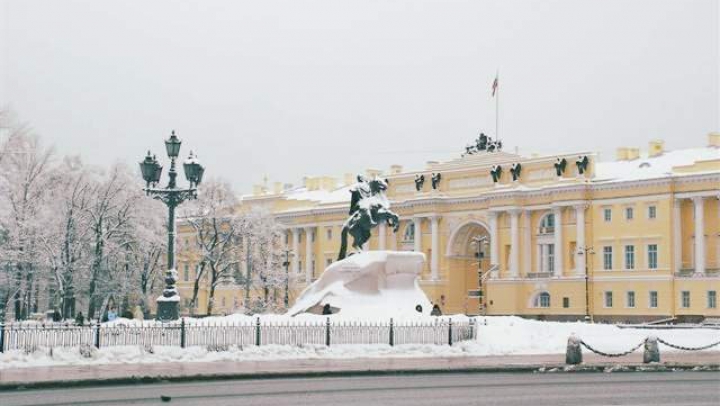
(450, 332)
(652, 351)
(182, 333)
(327, 332)
(573, 353)
(97, 334)
(257, 331)
(392, 333)
(2, 337)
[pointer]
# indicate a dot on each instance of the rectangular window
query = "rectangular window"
(299, 266)
(608, 299)
(222, 301)
(630, 299)
(312, 236)
(652, 212)
(629, 257)
(328, 262)
(551, 257)
(566, 302)
(629, 213)
(712, 299)
(607, 214)
(685, 299)
(652, 256)
(328, 233)
(653, 299)
(607, 258)
(186, 272)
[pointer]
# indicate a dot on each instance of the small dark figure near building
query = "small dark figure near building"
(419, 181)
(496, 172)
(79, 319)
(57, 316)
(327, 310)
(515, 170)
(560, 165)
(436, 180)
(418, 308)
(582, 164)
(436, 311)
(481, 142)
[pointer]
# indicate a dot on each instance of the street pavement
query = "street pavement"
(551, 389)
(126, 373)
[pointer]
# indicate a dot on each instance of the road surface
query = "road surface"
(556, 389)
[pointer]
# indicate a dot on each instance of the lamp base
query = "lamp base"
(167, 311)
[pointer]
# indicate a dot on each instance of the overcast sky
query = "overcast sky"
(293, 88)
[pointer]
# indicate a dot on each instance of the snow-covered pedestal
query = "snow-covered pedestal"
(370, 285)
(168, 303)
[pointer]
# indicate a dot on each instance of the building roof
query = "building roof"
(645, 167)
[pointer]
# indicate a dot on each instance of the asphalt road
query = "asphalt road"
(556, 389)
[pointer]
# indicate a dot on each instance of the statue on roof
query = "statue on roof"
(369, 206)
(582, 163)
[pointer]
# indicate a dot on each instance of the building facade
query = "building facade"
(557, 237)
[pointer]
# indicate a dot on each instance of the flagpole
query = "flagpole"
(497, 105)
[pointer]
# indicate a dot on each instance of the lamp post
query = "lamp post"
(172, 196)
(480, 241)
(585, 252)
(286, 264)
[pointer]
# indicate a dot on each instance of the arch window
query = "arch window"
(542, 300)
(547, 224)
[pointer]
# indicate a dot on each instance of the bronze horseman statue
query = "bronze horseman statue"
(368, 207)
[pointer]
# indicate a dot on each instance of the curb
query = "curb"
(526, 368)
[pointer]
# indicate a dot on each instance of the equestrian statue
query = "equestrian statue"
(369, 206)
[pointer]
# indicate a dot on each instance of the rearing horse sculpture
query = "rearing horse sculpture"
(368, 207)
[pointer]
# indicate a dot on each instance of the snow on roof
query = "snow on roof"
(646, 167)
(339, 195)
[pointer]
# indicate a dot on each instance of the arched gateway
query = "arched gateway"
(468, 254)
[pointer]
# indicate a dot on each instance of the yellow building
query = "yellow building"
(634, 239)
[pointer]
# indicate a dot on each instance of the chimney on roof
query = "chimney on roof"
(258, 190)
(277, 188)
(714, 140)
(656, 148)
(395, 169)
(627, 153)
(348, 179)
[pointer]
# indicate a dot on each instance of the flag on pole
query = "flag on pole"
(495, 85)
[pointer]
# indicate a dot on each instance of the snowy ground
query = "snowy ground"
(496, 336)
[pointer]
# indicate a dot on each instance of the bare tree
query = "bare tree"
(214, 220)
(24, 185)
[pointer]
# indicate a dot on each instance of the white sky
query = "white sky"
(293, 88)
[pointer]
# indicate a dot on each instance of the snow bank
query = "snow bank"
(496, 336)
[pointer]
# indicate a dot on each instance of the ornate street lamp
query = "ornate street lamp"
(172, 196)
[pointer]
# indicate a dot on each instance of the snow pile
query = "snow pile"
(496, 336)
(373, 285)
(646, 167)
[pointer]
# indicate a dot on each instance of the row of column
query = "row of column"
(295, 260)
(699, 230)
(514, 258)
(382, 245)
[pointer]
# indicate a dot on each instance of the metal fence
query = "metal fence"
(223, 335)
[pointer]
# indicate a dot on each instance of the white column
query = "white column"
(417, 224)
(580, 239)
(435, 239)
(296, 250)
(699, 235)
(308, 254)
(677, 234)
(382, 231)
(514, 243)
(559, 254)
(527, 242)
(494, 243)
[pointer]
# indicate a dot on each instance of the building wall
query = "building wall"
(467, 197)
